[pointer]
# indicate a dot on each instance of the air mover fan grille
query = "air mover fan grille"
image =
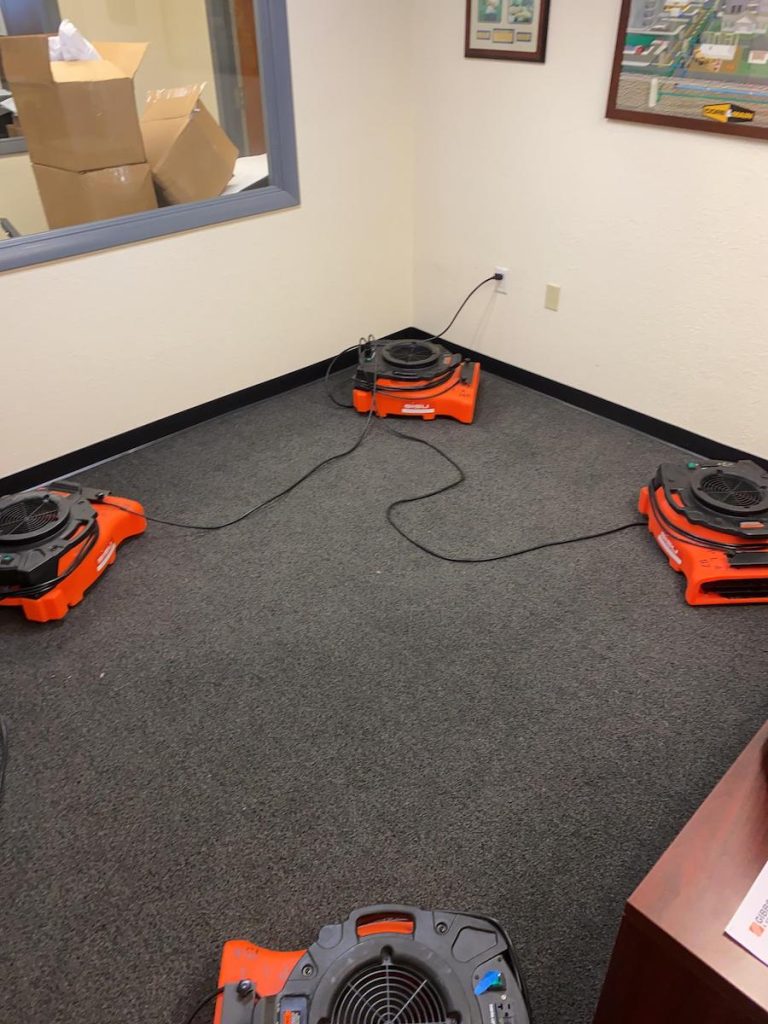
(29, 516)
(411, 353)
(389, 993)
(735, 492)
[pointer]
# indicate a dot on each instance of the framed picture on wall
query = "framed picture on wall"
(702, 65)
(507, 29)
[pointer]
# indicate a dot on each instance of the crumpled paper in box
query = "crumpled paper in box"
(71, 44)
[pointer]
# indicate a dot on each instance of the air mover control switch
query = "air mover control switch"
(491, 981)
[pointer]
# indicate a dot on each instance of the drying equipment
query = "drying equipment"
(383, 965)
(55, 542)
(409, 377)
(711, 521)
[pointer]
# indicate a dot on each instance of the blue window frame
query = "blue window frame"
(281, 192)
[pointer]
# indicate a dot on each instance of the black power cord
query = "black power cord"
(84, 540)
(325, 462)
(457, 482)
(268, 501)
(203, 1003)
(436, 337)
(87, 539)
(428, 393)
(686, 537)
(329, 370)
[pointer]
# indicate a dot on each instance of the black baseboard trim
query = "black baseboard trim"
(696, 443)
(66, 465)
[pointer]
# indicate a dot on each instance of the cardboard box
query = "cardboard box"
(76, 115)
(190, 154)
(77, 197)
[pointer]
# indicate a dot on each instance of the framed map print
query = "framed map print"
(507, 29)
(700, 65)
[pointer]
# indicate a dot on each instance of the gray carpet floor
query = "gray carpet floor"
(249, 733)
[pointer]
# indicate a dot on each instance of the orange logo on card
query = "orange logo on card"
(756, 929)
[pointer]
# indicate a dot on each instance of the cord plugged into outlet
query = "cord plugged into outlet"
(501, 277)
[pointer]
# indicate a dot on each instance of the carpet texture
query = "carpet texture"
(249, 733)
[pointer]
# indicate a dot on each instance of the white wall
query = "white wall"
(107, 342)
(657, 236)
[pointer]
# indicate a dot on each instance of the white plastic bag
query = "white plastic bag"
(70, 44)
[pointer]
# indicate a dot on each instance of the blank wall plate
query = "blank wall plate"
(552, 297)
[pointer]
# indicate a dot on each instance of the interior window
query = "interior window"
(111, 108)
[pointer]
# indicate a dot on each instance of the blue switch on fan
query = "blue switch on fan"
(490, 982)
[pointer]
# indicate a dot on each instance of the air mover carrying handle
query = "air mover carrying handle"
(384, 920)
(74, 488)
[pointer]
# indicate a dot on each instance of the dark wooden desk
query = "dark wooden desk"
(672, 964)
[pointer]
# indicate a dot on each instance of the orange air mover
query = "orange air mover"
(56, 542)
(711, 521)
(415, 378)
(383, 965)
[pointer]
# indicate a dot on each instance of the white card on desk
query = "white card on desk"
(749, 925)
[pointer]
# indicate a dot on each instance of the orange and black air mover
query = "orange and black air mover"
(383, 965)
(415, 378)
(711, 521)
(55, 542)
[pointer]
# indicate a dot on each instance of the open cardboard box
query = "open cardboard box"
(191, 156)
(78, 197)
(77, 115)
(87, 146)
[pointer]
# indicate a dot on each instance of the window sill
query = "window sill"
(54, 245)
(9, 146)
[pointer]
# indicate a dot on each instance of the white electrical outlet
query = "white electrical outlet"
(502, 286)
(552, 297)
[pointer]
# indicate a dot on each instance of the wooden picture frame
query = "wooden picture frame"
(698, 68)
(507, 29)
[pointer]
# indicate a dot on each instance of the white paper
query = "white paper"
(749, 925)
(248, 170)
(9, 103)
(70, 44)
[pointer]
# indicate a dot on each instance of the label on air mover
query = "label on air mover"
(105, 556)
(416, 409)
(293, 1010)
(668, 548)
